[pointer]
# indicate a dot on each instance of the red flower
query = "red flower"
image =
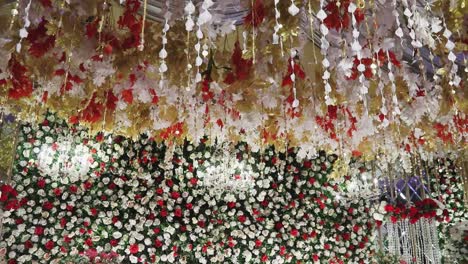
(315, 257)
(178, 212)
(297, 70)
(134, 249)
(49, 245)
(41, 183)
(175, 195)
(264, 258)
(89, 242)
(28, 244)
(258, 243)
(294, 232)
(158, 243)
(242, 67)
(193, 181)
(57, 191)
(127, 96)
(242, 218)
(47, 206)
(389, 208)
(256, 14)
(39, 230)
(22, 85)
(114, 242)
(40, 41)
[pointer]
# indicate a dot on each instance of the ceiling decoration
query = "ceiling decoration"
(357, 77)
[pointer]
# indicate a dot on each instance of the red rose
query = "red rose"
(194, 181)
(41, 183)
(74, 189)
(163, 213)
(134, 248)
(264, 258)
(63, 222)
(67, 239)
(189, 206)
(178, 212)
(158, 243)
(28, 244)
(242, 218)
(294, 232)
(57, 191)
(49, 245)
(175, 195)
(89, 242)
(47, 206)
(114, 242)
(315, 257)
(258, 243)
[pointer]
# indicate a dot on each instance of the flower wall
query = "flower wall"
(74, 195)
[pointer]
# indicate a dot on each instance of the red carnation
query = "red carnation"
(242, 218)
(134, 248)
(41, 183)
(49, 245)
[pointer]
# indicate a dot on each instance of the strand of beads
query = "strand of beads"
(23, 33)
(277, 39)
(189, 24)
(324, 50)
(163, 52)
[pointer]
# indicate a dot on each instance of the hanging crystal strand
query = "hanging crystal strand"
(324, 50)
(391, 237)
(163, 52)
(312, 29)
(23, 33)
(189, 24)
(435, 243)
(406, 255)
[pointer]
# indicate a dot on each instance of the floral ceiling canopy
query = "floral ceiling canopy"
(378, 76)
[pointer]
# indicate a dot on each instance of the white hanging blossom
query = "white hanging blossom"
(278, 26)
(163, 52)
(324, 49)
(23, 32)
(356, 47)
(293, 79)
(293, 9)
(450, 45)
(189, 25)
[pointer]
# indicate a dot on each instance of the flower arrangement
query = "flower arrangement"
(427, 208)
(146, 202)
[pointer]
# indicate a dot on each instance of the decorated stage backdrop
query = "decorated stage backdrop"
(73, 196)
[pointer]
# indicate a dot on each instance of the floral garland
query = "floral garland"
(145, 201)
(90, 67)
(427, 208)
(448, 187)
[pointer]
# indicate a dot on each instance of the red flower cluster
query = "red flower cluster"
(242, 67)
(8, 196)
(380, 58)
(338, 16)
(256, 14)
(426, 208)
(22, 85)
(40, 41)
